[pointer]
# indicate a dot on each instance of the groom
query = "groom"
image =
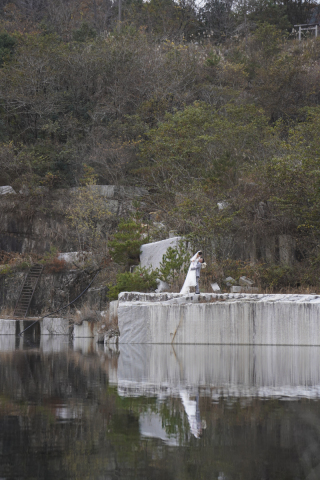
(197, 268)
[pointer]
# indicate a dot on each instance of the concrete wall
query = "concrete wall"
(239, 319)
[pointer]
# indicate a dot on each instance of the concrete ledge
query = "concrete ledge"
(239, 319)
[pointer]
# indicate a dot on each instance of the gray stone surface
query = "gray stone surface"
(10, 327)
(55, 326)
(236, 289)
(152, 253)
(245, 282)
(85, 330)
(243, 289)
(162, 286)
(7, 190)
(219, 319)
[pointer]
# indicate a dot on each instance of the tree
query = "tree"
(125, 244)
(217, 19)
(7, 44)
(87, 215)
(175, 261)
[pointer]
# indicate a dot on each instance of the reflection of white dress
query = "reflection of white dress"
(190, 280)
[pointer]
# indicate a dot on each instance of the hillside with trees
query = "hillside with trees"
(214, 108)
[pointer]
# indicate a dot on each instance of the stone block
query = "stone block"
(7, 190)
(152, 253)
(85, 330)
(215, 287)
(229, 281)
(251, 289)
(236, 289)
(236, 318)
(55, 326)
(10, 327)
(162, 286)
(245, 282)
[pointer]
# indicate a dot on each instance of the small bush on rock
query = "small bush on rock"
(141, 280)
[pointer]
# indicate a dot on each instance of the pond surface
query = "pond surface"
(80, 411)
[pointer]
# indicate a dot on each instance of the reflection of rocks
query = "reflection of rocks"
(219, 371)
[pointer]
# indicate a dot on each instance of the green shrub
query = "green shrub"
(174, 261)
(141, 280)
(126, 242)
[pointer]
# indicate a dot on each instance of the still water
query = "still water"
(80, 411)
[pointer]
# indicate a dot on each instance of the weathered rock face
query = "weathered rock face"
(54, 290)
(32, 223)
(238, 319)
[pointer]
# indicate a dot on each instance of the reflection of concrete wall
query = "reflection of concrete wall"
(223, 319)
(219, 370)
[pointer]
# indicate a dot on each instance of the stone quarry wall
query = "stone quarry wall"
(247, 319)
(54, 290)
(32, 223)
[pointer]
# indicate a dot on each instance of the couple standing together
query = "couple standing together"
(193, 275)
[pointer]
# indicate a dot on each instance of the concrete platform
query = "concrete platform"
(233, 319)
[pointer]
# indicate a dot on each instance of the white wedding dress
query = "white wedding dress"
(190, 280)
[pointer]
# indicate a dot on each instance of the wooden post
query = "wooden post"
(299, 34)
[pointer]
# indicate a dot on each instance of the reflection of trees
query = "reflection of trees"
(60, 418)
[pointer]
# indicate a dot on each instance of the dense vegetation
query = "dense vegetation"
(213, 107)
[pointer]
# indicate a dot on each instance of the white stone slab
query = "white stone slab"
(152, 253)
(85, 330)
(8, 327)
(55, 326)
(220, 319)
(7, 190)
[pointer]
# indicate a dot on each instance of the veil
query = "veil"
(190, 280)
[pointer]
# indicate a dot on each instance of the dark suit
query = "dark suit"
(197, 268)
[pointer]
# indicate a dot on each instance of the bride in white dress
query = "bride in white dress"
(191, 280)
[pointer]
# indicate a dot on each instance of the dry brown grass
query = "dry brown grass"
(92, 314)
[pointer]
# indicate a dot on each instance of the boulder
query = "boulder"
(152, 253)
(246, 282)
(7, 190)
(162, 286)
(215, 287)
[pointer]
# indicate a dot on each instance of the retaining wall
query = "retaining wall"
(239, 319)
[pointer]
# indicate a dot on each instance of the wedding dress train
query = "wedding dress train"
(190, 280)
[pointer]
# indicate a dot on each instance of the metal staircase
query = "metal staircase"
(27, 291)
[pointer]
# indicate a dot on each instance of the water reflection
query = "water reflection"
(220, 370)
(78, 410)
